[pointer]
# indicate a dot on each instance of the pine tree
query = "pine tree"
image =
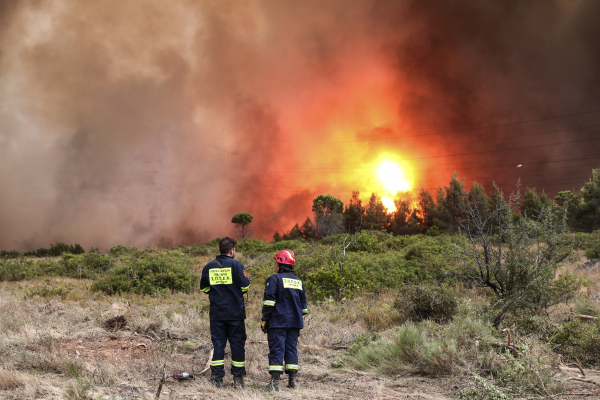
(376, 217)
(328, 211)
(354, 214)
(426, 209)
(588, 216)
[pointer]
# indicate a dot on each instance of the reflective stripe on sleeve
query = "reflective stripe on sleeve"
(245, 289)
(269, 302)
(215, 363)
(291, 367)
(304, 311)
(239, 364)
(206, 289)
(275, 367)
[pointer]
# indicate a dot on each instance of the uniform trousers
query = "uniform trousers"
(283, 344)
(220, 332)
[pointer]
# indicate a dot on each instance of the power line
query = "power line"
(461, 130)
(430, 165)
(473, 141)
(464, 154)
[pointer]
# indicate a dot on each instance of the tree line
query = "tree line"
(443, 211)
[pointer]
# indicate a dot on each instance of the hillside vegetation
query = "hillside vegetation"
(400, 303)
(501, 303)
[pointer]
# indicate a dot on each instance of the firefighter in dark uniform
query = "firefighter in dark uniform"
(284, 306)
(225, 281)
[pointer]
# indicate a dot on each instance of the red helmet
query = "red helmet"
(285, 257)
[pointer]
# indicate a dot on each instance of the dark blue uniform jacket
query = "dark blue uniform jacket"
(285, 301)
(225, 280)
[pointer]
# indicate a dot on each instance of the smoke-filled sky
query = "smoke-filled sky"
(151, 122)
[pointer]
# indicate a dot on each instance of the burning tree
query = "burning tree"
(516, 257)
(241, 221)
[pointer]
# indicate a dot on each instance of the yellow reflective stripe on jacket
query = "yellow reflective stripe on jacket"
(245, 289)
(206, 289)
(217, 362)
(275, 367)
(269, 302)
(304, 311)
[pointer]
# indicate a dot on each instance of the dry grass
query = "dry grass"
(10, 379)
(41, 335)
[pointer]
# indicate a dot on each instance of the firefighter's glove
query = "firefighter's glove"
(263, 326)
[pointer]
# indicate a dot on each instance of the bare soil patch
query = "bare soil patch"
(112, 348)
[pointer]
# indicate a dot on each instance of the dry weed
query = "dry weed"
(10, 379)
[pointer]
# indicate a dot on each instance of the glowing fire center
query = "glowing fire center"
(393, 181)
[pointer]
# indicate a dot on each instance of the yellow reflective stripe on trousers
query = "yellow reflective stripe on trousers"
(215, 363)
(291, 366)
(269, 302)
(238, 363)
(275, 367)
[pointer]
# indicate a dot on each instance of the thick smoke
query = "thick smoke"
(151, 123)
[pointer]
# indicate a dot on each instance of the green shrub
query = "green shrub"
(427, 302)
(200, 249)
(251, 246)
(363, 340)
(409, 350)
(578, 340)
(585, 241)
(10, 254)
(150, 274)
(482, 391)
(17, 270)
(77, 249)
(593, 253)
(86, 266)
(469, 330)
(586, 306)
(328, 281)
(43, 252)
(122, 250)
(59, 248)
(50, 291)
(433, 231)
(527, 371)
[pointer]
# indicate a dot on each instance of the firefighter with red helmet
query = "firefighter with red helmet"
(284, 306)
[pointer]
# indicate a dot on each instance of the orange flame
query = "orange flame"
(393, 180)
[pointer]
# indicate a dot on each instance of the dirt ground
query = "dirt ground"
(317, 380)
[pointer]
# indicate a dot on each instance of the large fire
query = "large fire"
(393, 180)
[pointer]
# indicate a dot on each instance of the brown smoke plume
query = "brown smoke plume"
(145, 123)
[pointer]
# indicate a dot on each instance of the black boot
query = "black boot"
(274, 384)
(292, 379)
(238, 382)
(216, 382)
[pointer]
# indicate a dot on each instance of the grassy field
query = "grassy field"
(56, 343)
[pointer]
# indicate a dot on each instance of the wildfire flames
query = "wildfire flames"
(136, 123)
(393, 180)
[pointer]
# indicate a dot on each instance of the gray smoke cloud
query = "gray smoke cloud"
(151, 123)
